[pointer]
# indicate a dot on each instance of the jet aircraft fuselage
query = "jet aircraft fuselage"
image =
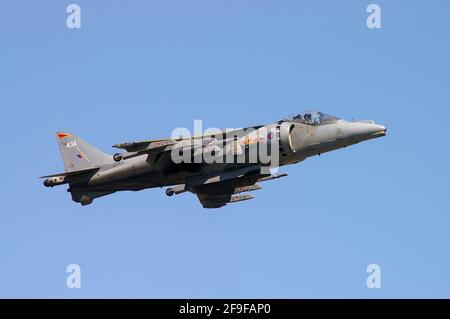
(215, 167)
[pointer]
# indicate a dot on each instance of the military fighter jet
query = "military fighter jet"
(216, 167)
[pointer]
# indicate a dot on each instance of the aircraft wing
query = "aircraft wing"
(156, 146)
(145, 145)
(217, 192)
(209, 201)
(151, 147)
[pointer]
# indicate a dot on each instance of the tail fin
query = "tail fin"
(78, 155)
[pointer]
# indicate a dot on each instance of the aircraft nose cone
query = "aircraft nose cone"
(378, 129)
(364, 130)
(370, 129)
(375, 130)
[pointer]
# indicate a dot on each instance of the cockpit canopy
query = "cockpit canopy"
(312, 118)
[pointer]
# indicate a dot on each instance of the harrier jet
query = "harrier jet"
(217, 167)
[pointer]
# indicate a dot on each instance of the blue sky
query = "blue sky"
(137, 70)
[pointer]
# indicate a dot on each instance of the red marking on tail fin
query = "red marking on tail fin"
(60, 135)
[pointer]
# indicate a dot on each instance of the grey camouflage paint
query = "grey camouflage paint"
(91, 173)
